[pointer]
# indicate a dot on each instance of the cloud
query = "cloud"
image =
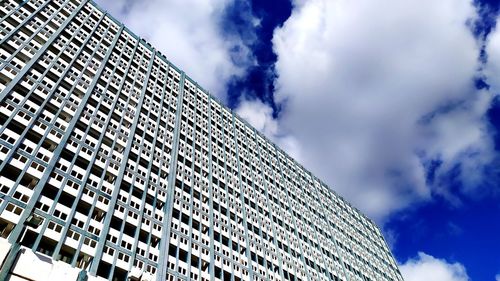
(382, 104)
(426, 267)
(497, 277)
(492, 67)
(190, 34)
(260, 116)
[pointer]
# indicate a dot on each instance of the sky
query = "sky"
(395, 104)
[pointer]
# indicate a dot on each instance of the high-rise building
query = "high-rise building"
(115, 165)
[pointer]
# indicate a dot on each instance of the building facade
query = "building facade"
(115, 165)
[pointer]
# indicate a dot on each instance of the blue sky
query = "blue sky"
(395, 104)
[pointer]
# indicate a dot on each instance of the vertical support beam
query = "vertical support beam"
(85, 177)
(277, 187)
(211, 266)
(40, 52)
(114, 195)
(19, 5)
(14, 148)
(254, 185)
(9, 261)
(331, 232)
(278, 254)
(22, 136)
(226, 175)
(165, 239)
(16, 232)
(29, 17)
(57, 152)
(242, 197)
(293, 217)
(129, 141)
(150, 164)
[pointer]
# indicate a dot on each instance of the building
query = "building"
(115, 165)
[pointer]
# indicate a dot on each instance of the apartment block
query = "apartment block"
(115, 165)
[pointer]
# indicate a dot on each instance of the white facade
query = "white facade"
(136, 173)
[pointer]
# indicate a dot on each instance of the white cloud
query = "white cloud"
(260, 116)
(188, 33)
(492, 67)
(426, 267)
(497, 277)
(373, 96)
(356, 80)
